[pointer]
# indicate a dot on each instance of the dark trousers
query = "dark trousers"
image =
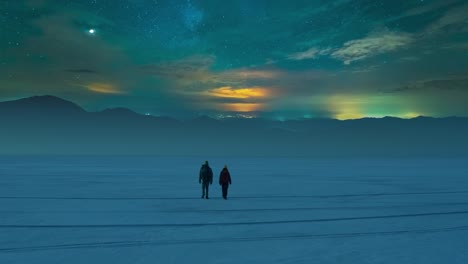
(205, 188)
(225, 190)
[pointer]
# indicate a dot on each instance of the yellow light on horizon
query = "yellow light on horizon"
(348, 116)
(345, 107)
(410, 115)
(243, 107)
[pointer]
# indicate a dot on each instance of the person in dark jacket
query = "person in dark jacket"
(205, 178)
(224, 181)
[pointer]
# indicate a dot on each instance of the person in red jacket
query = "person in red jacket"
(224, 181)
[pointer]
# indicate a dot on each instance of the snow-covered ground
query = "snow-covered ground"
(148, 210)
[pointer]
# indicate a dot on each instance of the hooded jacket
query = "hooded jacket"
(224, 177)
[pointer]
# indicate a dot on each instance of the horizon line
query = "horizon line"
(231, 115)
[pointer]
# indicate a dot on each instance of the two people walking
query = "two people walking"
(206, 179)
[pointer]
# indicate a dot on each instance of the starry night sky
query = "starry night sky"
(254, 58)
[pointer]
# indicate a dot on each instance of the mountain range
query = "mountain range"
(51, 125)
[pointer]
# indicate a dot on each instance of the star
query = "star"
(92, 31)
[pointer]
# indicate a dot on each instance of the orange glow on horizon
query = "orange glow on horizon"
(241, 93)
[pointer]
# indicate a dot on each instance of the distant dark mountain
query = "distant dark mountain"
(40, 105)
(50, 125)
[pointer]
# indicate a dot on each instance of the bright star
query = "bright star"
(92, 31)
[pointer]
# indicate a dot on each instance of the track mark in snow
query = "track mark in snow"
(233, 197)
(227, 240)
(316, 208)
(237, 223)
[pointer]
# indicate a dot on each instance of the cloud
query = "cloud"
(63, 42)
(423, 9)
(191, 68)
(60, 59)
(460, 45)
(372, 45)
(104, 88)
(455, 84)
(196, 72)
(194, 81)
(250, 74)
(455, 18)
(311, 53)
(447, 84)
(359, 49)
